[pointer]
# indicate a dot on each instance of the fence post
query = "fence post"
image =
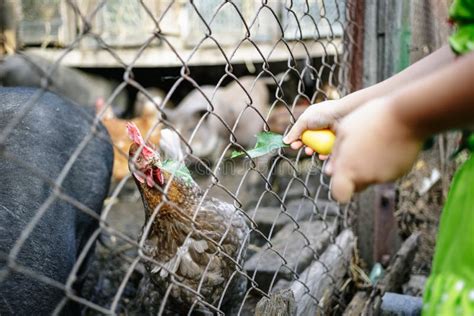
(386, 52)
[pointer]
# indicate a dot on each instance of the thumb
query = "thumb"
(296, 131)
(342, 187)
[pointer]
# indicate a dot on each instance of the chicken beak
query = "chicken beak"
(138, 177)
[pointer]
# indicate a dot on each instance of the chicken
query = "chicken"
(196, 242)
(116, 127)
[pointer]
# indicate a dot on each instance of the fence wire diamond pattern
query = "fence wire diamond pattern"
(245, 229)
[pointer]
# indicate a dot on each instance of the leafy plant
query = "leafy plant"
(177, 168)
(266, 143)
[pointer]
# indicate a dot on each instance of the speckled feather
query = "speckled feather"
(195, 258)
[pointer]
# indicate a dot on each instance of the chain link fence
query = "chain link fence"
(199, 79)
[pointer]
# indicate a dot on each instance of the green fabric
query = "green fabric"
(447, 295)
(462, 14)
(462, 11)
(462, 41)
(450, 288)
(470, 142)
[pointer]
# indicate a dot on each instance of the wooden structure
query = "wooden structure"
(197, 31)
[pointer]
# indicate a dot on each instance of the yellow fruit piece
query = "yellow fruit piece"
(321, 141)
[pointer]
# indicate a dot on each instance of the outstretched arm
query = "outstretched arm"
(380, 141)
(439, 102)
(327, 114)
(431, 63)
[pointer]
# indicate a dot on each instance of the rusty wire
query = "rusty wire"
(324, 25)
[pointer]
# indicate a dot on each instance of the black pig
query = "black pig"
(45, 139)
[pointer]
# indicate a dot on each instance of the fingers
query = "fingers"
(342, 184)
(328, 169)
(342, 187)
(296, 131)
(296, 145)
(308, 151)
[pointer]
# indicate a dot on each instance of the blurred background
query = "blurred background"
(201, 79)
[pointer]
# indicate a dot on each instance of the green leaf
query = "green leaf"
(462, 11)
(462, 41)
(266, 143)
(177, 168)
(236, 154)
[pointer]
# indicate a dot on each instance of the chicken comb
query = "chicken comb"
(136, 137)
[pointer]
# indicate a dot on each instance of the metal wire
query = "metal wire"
(292, 185)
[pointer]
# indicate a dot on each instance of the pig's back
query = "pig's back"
(34, 153)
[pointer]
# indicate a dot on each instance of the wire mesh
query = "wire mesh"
(243, 229)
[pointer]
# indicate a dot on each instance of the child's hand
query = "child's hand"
(317, 116)
(372, 146)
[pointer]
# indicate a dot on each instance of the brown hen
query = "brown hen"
(197, 243)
